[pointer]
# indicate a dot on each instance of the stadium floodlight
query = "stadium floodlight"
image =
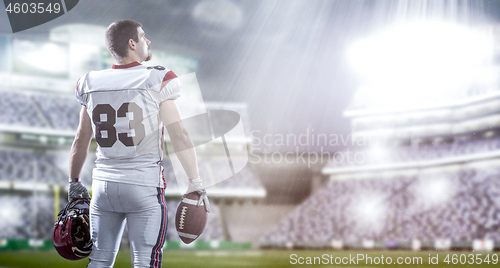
(49, 57)
(10, 213)
(370, 209)
(422, 56)
(378, 154)
(435, 191)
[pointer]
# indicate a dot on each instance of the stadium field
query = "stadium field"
(270, 258)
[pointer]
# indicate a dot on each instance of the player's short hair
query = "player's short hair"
(118, 34)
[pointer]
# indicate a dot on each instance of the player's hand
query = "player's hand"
(77, 190)
(195, 185)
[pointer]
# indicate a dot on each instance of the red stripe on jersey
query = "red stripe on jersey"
(168, 76)
(125, 66)
(163, 178)
(162, 139)
(77, 86)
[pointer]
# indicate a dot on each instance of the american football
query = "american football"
(190, 220)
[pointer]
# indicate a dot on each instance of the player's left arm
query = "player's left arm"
(78, 154)
(184, 148)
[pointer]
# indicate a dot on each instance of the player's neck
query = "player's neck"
(125, 62)
(128, 60)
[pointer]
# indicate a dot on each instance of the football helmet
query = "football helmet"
(71, 233)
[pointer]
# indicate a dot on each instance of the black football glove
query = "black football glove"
(76, 189)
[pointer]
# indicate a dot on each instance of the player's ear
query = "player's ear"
(131, 44)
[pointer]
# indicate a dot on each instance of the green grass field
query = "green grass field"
(263, 258)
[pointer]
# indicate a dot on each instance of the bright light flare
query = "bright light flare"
(370, 210)
(378, 153)
(422, 56)
(44, 56)
(434, 191)
(10, 214)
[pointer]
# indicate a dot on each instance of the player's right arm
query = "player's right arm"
(78, 154)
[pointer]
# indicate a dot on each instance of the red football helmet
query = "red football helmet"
(71, 232)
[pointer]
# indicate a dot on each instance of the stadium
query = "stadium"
(356, 133)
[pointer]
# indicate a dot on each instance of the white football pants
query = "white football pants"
(142, 208)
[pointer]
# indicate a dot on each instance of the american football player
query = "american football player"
(126, 108)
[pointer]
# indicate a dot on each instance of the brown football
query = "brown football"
(190, 220)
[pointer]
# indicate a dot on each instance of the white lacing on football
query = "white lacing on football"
(190, 201)
(183, 215)
(190, 236)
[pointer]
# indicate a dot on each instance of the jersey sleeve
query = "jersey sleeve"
(80, 92)
(170, 87)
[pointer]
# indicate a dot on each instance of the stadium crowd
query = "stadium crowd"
(401, 154)
(460, 206)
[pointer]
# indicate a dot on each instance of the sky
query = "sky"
(285, 59)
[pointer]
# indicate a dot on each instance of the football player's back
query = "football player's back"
(123, 103)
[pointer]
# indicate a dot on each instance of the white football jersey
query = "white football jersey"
(124, 104)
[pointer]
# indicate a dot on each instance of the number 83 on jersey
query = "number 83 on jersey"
(104, 118)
